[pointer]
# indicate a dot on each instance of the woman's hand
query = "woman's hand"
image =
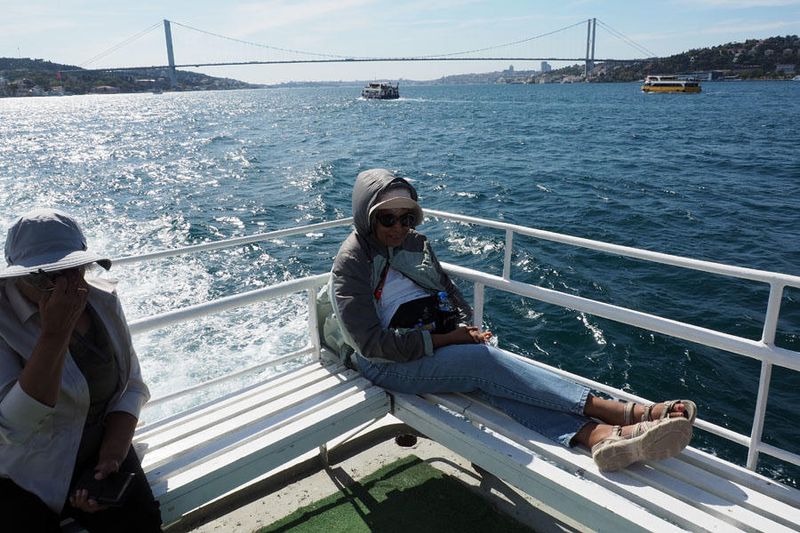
(59, 312)
(60, 309)
(80, 500)
(461, 335)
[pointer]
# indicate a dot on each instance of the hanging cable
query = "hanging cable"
(507, 44)
(120, 45)
(335, 56)
(259, 45)
(629, 41)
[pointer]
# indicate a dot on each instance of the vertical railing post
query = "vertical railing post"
(758, 419)
(313, 331)
(477, 316)
(507, 258)
(773, 310)
(768, 338)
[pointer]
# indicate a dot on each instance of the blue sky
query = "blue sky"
(76, 32)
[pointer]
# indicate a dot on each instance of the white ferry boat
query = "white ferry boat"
(669, 84)
(381, 91)
(310, 405)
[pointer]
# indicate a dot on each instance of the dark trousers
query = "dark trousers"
(23, 511)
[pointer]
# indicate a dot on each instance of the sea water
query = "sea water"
(712, 176)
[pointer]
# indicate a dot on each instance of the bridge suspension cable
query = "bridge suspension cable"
(495, 47)
(351, 57)
(251, 43)
(626, 39)
(119, 45)
(337, 58)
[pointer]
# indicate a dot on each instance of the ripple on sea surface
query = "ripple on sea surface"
(711, 176)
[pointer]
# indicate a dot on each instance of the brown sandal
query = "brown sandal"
(649, 440)
(689, 411)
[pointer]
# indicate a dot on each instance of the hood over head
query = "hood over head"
(375, 188)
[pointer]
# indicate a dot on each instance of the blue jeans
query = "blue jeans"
(536, 398)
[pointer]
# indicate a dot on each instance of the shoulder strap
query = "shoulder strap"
(379, 288)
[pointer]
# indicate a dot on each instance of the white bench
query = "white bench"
(694, 491)
(197, 456)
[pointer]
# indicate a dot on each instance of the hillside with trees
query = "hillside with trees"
(772, 58)
(37, 77)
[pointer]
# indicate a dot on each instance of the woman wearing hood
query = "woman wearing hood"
(410, 331)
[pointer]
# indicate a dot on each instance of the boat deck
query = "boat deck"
(216, 449)
(198, 456)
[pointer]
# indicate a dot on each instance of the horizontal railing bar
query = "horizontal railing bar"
(237, 241)
(228, 377)
(228, 302)
(707, 337)
(779, 453)
(759, 350)
(647, 255)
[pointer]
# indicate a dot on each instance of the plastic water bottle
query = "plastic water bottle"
(444, 303)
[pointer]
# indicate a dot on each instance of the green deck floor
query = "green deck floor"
(407, 496)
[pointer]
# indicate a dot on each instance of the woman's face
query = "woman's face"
(40, 284)
(392, 225)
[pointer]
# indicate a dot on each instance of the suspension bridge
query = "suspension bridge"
(488, 53)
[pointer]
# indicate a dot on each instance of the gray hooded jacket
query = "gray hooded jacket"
(357, 271)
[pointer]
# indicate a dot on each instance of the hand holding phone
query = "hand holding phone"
(110, 490)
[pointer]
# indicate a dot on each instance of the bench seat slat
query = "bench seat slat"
(204, 425)
(743, 477)
(270, 450)
(730, 492)
(227, 432)
(308, 371)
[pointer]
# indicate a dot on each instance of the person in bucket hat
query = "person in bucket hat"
(70, 387)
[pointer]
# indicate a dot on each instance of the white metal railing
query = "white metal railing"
(764, 350)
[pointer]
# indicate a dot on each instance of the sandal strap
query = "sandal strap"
(628, 413)
(668, 405)
(668, 408)
(643, 427)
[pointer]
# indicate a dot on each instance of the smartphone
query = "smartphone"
(109, 491)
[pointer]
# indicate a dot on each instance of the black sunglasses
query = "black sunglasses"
(46, 281)
(387, 220)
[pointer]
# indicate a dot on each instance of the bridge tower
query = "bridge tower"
(170, 55)
(590, 36)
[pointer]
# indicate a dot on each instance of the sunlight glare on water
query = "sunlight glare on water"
(710, 176)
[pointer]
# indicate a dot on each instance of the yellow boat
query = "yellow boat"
(669, 84)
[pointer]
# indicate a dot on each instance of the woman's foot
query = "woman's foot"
(634, 412)
(624, 414)
(645, 441)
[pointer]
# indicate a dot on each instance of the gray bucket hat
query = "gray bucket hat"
(48, 240)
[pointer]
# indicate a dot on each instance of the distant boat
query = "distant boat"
(381, 91)
(669, 84)
(796, 78)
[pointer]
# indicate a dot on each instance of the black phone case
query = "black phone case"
(108, 491)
